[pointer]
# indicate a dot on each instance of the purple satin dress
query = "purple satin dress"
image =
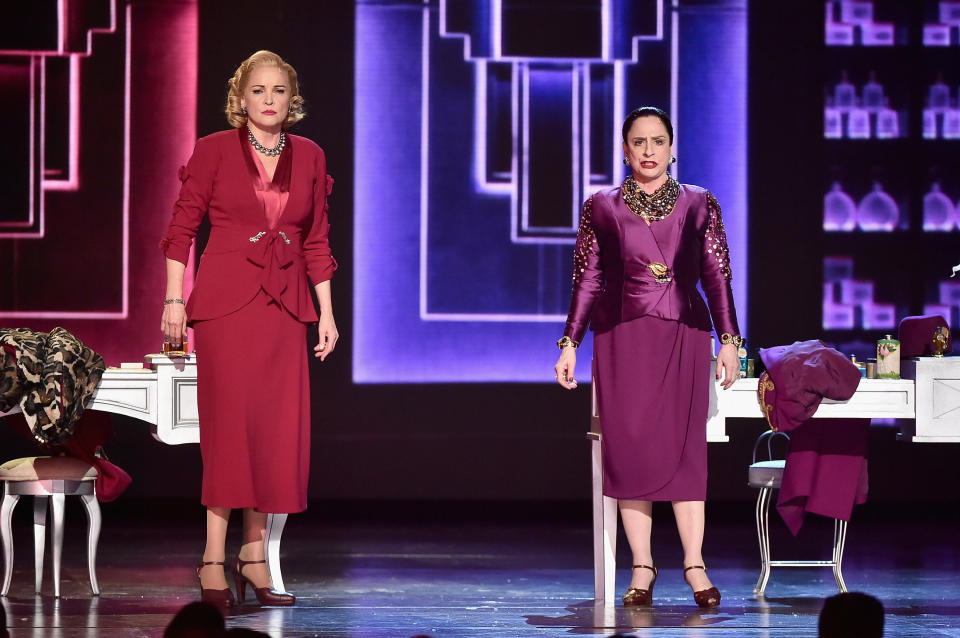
(636, 285)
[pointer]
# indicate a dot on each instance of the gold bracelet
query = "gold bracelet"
(726, 338)
(565, 341)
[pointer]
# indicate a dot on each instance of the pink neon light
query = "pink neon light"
(74, 159)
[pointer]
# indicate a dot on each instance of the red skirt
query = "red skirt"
(253, 395)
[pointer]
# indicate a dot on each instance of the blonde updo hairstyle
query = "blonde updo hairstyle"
(235, 115)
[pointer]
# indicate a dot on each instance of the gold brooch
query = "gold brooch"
(660, 272)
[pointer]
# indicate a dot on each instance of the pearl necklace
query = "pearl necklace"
(263, 149)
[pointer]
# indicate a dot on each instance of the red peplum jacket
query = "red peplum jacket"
(243, 255)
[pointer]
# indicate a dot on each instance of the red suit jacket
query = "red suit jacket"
(243, 256)
(612, 279)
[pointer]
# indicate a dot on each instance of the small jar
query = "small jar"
(872, 368)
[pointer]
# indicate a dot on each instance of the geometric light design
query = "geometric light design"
(472, 162)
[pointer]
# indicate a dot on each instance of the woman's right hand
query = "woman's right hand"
(173, 325)
(564, 368)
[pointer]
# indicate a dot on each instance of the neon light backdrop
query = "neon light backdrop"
(478, 136)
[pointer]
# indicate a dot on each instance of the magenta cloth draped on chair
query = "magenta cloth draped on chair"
(826, 468)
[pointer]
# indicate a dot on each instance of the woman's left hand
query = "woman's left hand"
(729, 363)
(328, 335)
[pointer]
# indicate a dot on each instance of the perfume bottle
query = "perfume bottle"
(938, 210)
(839, 210)
(888, 122)
(938, 95)
(858, 124)
(175, 350)
(832, 121)
(929, 124)
(873, 97)
(844, 93)
(836, 33)
(856, 11)
(877, 211)
(951, 124)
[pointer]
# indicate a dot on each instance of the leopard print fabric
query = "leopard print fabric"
(52, 375)
(10, 386)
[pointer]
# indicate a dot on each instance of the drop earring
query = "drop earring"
(244, 109)
(673, 160)
(626, 162)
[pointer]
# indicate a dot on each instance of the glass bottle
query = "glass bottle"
(839, 210)
(938, 210)
(888, 122)
(938, 96)
(877, 212)
(873, 97)
(844, 93)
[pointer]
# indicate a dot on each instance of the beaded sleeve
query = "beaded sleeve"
(586, 246)
(587, 275)
(715, 273)
(715, 239)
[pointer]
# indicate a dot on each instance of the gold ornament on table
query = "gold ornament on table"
(940, 338)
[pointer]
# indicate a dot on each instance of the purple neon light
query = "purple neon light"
(365, 309)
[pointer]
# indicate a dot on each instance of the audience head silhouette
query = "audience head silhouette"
(851, 615)
(196, 620)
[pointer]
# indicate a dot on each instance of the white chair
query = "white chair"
(48, 478)
(767, 476)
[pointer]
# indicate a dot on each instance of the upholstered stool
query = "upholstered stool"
(767, 476)
(44, 477)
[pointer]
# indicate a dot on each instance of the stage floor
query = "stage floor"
(479, 573)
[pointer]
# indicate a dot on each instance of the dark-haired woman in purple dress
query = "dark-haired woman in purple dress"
(641, 250)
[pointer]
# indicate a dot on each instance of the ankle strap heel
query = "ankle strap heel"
(705, 598)
(636, 597)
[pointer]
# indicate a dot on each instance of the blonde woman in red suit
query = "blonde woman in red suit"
(265, 193)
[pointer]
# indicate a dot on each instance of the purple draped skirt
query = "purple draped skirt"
(653, 381)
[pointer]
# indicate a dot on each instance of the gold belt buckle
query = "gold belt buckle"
(660, 272)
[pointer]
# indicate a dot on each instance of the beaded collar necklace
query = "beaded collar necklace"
(652, 208)
(263, 149)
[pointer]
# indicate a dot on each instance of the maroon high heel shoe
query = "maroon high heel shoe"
(706, 598)
(222, 598)
(636, 597)
(265, 595)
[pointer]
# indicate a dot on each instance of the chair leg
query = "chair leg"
(610, 511)
(56, 510)
(93, 537)
(763, 533)
(6, 532)
(271, 542)
(757, 511)
(39, 539)
(839, 541)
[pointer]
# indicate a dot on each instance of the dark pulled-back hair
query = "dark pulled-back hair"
(648, 111)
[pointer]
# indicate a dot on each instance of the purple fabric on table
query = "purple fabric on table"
(916, 335)
(653, 383)
(826, 469)
(804, 373)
